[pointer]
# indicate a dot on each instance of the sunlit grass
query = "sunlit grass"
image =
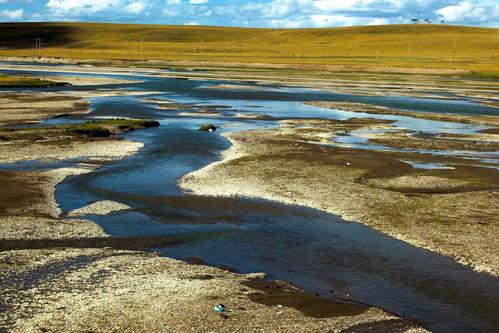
(417, 46)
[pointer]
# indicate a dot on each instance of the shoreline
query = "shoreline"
(492, 121)
(224, 178)
(131, 288)
(432, 86)
(158, 62)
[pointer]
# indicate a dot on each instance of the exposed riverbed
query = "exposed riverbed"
(319, 252)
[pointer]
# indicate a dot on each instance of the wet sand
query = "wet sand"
(403, 139)
(18, 108)
(452, 212)
(376, 109)
(106, 290)
(84, 80)
(279, 294)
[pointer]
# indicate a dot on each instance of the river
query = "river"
(316, 251)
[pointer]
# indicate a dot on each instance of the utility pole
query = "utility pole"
(410, 51)
(38, 47)
(453, 51)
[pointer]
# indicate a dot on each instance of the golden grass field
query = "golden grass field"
(410, 46)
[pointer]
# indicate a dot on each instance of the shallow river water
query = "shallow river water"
(318, 252)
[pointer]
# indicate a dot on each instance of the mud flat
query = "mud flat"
(402, 139)
(453, 212)
(78, 80)
(67, 275)
(108, 290)
(359, 80)
(235, 87)
(376, 109)
(31, 108)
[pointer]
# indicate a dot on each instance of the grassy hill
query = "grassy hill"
(418, 46)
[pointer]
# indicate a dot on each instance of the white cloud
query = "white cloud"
(379, 21)
(495, 12)
(77, 7)
(318, 21)
(258, 13)
(136, 7)
(328, 5)
(12, 15)
(275, 9)
(170, 12)
(465, 11)
(281, 8)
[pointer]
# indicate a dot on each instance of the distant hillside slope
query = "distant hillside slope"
(418, 46)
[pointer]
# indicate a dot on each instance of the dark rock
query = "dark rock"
(94, 133)
(151, 123)
(208, 127)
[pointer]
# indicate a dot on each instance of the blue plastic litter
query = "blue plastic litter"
(220, 308)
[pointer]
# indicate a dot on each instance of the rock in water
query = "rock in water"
(208, 127)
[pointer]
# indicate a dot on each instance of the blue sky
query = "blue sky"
(254, 13)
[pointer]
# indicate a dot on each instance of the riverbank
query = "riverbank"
(26, 108)
(380, 110)
(345, 80)
(60, 274)
(7, 81)
(450, 211)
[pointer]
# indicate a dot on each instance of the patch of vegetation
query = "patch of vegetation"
(482, 76)
(27, 82)
(107, 127)
(93, 129)
(104, 128)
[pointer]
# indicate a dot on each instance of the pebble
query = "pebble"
(7, 260)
